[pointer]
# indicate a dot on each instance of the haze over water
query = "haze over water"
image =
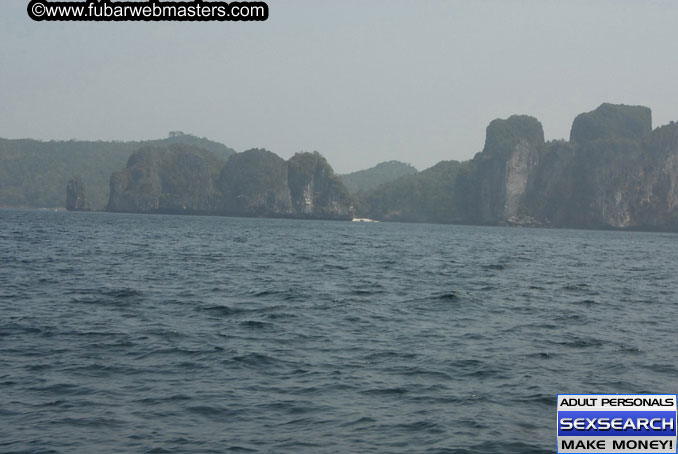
(134, 333)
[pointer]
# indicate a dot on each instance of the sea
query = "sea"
(184, 334)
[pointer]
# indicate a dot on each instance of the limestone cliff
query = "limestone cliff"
(76, 199)
(500, 173)
(184, 179)
(314, 188)
(254, 183)
(610, 121)
(173, 179)
(657, 196)
(615, 172)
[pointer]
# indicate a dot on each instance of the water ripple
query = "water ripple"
(155, 334)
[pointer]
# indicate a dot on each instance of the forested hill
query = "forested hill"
(368, 179)
(34, 174)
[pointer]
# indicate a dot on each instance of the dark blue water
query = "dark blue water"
(124, 333)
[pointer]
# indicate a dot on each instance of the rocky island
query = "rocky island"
(614, 172)
(181, 179)
(76, 200)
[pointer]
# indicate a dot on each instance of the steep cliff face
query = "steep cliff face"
(552, 183)
(502, 170)
(184, 179)
(314, 188)
(136, 189)
(614, 173)
(656, 203)
(607, 177)
(76, 199)
(254, 183)
(174, 179)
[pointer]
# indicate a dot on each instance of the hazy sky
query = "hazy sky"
(360, 81)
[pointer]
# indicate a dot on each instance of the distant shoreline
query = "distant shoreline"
(300, 218)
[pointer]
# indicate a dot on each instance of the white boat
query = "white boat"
(363, 220)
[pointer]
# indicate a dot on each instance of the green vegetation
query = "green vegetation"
(502, 135)
(368, 179)
(171, 179)
(34, 174)
(314, 187)
(427, 196)
(613, 173)
(254, 182)
(184, 179)
(610, 121)
(452, 192)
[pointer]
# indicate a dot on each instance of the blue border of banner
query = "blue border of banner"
(628, 394)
